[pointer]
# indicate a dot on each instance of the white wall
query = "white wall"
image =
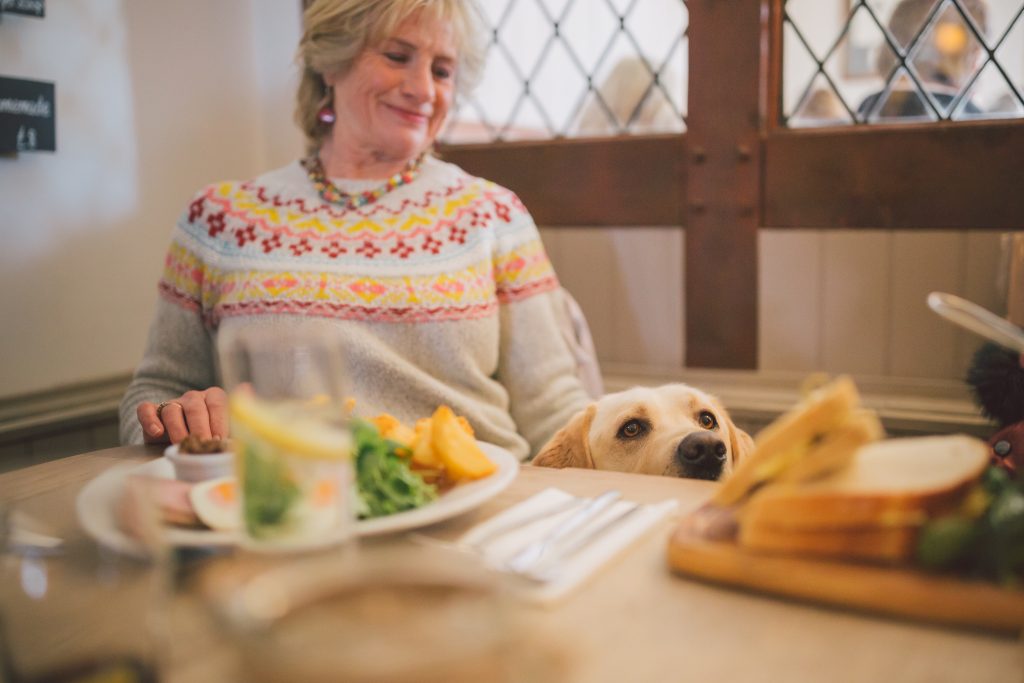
(154, 99)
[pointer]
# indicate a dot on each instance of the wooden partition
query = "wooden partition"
(737, 170)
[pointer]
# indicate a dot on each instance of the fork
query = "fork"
(529, 556)
(547, 569)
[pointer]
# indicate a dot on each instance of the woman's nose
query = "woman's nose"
(419, 83)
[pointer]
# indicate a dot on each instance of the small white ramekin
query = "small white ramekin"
(193, 467)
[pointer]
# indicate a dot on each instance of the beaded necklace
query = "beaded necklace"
(329, 192)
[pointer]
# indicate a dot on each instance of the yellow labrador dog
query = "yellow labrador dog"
(674, 430)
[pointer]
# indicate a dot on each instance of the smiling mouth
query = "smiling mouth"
(410, 116)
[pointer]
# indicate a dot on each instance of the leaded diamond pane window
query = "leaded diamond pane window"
(577, 68)
(848, 62)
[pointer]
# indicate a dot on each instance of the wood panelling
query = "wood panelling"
(985, 272)
(625, 280)
(14, 456)
(845, 301)
(647, 302)
(855, 301)
(1015, 302)
(921, 344)
(940, 176)
(610, 182)
(583, 260)
(789, 300)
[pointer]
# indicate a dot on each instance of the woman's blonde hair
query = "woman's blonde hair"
(337, 31)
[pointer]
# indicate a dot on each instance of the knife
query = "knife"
(529, 556)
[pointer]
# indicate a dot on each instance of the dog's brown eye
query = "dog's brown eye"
(707, 420)
(632, 429)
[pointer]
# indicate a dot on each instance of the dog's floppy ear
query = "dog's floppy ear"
(740, 443)
(569, 447)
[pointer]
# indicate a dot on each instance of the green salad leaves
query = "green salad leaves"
(385, 482)
(988, 545)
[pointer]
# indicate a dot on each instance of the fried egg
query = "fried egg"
(216, 503)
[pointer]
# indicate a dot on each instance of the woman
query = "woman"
(435, 282)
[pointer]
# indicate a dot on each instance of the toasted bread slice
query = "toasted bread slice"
(835, 449)
(789, 439)
(881, 544)
(897, 482)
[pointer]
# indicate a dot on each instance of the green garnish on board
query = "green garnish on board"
(985, 543)
(384, 480)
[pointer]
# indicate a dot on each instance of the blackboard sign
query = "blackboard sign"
(28, 115)
(30, 8)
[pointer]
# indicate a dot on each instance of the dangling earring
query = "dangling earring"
(326, 113)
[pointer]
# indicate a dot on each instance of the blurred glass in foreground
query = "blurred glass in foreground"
(294, 448)
(390, 611)
(72, 611)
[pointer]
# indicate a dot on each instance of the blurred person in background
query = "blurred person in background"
(943, 59)
(821, 107)
(434, 282)
(633, 101)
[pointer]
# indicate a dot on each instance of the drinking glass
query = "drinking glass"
(72, 611)
(390, 610)
(291, 436)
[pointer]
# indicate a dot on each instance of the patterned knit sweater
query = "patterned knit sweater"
(439, 292)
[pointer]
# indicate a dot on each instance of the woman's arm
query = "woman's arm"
(535, 364)
(537, 368)
(178, 366)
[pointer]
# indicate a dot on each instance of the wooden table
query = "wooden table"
(635, 620)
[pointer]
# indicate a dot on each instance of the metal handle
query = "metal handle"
(978, 320)
(532, 553)
(547, 569)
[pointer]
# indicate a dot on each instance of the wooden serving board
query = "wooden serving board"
(708, 551)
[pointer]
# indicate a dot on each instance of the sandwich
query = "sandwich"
(822, 482)
(816, 437)
(873, 508)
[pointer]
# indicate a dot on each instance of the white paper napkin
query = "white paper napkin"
(29, 535)
(498, 543)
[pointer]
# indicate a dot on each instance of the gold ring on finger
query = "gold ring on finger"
(164, 404)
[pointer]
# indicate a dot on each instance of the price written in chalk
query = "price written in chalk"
(27, 116)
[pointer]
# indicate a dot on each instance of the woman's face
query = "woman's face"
(391, 103)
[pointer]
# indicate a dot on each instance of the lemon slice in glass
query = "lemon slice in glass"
(289, 430)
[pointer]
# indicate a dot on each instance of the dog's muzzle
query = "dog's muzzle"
(701, 455)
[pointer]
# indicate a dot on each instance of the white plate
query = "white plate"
(97, 506)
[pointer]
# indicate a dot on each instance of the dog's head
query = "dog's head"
(674, 430)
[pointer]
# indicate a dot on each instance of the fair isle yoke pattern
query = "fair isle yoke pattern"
(448, 246)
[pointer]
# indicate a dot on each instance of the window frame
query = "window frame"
(737, 170)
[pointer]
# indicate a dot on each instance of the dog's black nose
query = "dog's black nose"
(701, 447)
(701, 455)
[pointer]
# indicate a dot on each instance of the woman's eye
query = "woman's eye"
(707, 420)
(632, 429)
(442, 73)
(397, 57)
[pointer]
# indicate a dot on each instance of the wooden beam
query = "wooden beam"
(723, 190)
(614, 182)
(939, 176)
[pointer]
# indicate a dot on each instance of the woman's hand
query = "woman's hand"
(203, 413)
